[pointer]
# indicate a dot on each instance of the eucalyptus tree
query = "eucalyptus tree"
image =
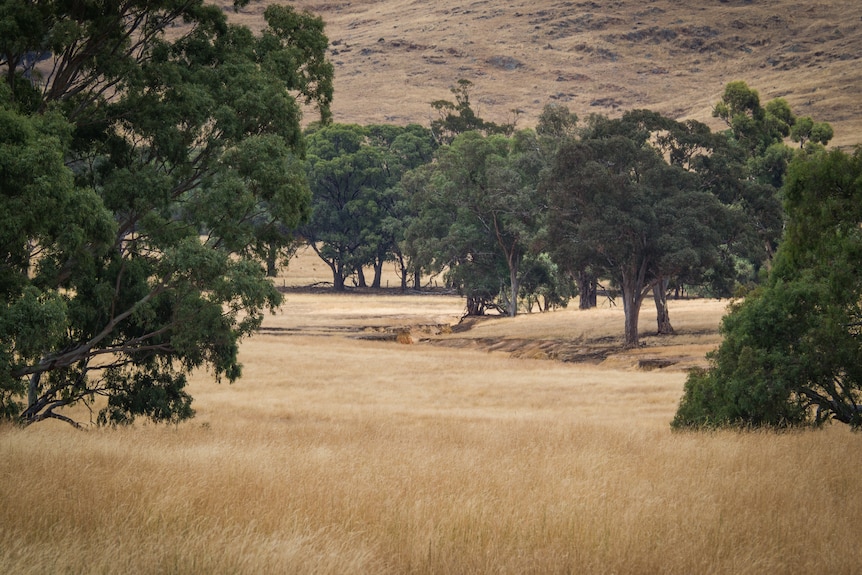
(404, 149)
(477, 212)
(147, 151)
(791, 354)
(691, 146)
(358, 209)
(618, 206)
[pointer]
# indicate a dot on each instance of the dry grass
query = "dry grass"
(338, 455)
(393, 57)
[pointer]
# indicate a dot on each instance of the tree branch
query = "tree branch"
(67, 358)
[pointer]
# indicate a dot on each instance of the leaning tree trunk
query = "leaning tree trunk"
(360, 276)
(659, 292)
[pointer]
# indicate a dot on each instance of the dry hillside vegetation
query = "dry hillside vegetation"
(393, 57)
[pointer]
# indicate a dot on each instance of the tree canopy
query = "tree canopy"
(359, 209)
(617, 206)
(792, 350)
(141, 173)
(477, 213)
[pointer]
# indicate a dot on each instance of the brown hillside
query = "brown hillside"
(393, 57)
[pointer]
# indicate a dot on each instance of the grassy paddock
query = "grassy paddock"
(337, 455)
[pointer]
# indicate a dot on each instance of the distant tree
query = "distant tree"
(139, 177)
(345, 175)
(755, 126)
(404, 149)
(358, 212)
(476, 216)
(720, 169)
(618, 207)
(806, 130)
(544, 284)
(459, 117)
(792, 350)
(756, 139)
(558, 126)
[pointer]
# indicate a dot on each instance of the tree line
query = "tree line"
(517, 218)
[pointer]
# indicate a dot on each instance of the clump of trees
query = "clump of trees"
(644, 202)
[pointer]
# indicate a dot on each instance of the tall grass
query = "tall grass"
(334, 455)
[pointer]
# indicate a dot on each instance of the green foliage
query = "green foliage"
(618, 208)
(756, 126)
(543, 283)
(792, 350)
(142, 183)
(807, 131)
(458, 117)
(477, 215)
(359, 211)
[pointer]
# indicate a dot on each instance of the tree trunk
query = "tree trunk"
(378, 273)
(337, 277)
(587, 288)
(337, 281)
(271, 261)
(403, 274)
(475, 306)
(659, 292)
(634, 287)
(417, 280)
(360, 276)
(632, 308)
(515, 285)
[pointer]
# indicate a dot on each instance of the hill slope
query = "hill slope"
(393, 57)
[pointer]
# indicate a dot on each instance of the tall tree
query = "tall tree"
(180, 151)
(619, 207)
(719, 169)
(344, 173)
(792, 351)
(477, 214)
(404, 148)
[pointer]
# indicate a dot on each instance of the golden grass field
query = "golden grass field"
(342, 455)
